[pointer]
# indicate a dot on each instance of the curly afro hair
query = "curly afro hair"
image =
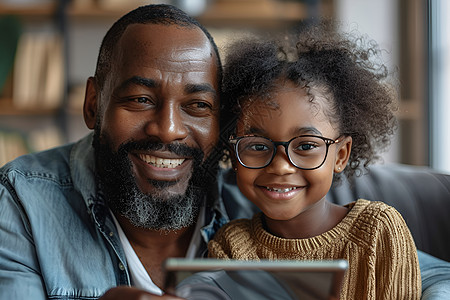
(317, 57)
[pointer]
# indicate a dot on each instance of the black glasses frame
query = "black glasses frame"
(235, 141)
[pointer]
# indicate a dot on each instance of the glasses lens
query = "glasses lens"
(307, 152)
(254, 152)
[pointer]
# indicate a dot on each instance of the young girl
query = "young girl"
(307, 111)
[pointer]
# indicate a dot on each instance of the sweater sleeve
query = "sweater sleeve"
(399, 277)
(222, 245)
(215, 250)
(218, 246)
(233, 241)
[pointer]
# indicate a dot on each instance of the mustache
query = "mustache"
(176, 148)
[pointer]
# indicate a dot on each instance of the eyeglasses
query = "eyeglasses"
(306, 152)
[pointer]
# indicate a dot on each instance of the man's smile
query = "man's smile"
(158, 165)
(160, 162)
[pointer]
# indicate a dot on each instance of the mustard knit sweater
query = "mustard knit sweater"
(373, 238)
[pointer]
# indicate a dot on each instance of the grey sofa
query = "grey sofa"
(420, 194)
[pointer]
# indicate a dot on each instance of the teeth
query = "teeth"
(280, 190)
(161, 162)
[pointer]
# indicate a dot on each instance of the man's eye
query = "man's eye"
(138, 103)
(141, 99)
(199, 108)
(201, 105)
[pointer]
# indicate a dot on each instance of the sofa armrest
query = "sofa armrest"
(420, 194)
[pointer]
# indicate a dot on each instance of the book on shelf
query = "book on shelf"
(38, 75)
(25, 70)
(54, 73)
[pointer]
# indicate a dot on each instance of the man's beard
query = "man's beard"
(159, 210)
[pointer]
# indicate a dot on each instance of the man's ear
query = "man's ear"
(343, 154)
(90, 107)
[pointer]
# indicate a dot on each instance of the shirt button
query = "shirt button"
(111, 233)
(121, 267)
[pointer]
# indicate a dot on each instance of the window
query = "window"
(439, 83)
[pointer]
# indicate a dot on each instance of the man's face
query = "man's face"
(158, 121)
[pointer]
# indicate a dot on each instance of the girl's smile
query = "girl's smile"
(281, 192)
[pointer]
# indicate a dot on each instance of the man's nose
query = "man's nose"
(167, 124)
(280, 164)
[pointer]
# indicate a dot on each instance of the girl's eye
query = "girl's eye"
(258, 147)
(305, 147)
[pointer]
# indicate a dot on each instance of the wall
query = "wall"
(377, 19)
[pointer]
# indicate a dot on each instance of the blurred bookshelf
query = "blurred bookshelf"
(40, 102)
(43, 9)
(59, 40)
(32, 81)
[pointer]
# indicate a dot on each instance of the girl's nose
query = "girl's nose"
(280, 164)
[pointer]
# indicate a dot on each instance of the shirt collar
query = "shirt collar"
(82, 166)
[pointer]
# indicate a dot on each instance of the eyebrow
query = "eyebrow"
(147, 82)
(298, 131)
(200, 88)
(150, 83)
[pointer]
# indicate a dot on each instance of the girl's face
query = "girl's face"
(281, 190)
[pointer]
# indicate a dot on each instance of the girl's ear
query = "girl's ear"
(343, 154)
(90, 107)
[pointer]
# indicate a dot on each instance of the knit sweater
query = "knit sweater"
(372, 237)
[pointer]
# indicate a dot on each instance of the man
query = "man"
(77, 222)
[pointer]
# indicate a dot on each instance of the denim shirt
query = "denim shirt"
(57, 237)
